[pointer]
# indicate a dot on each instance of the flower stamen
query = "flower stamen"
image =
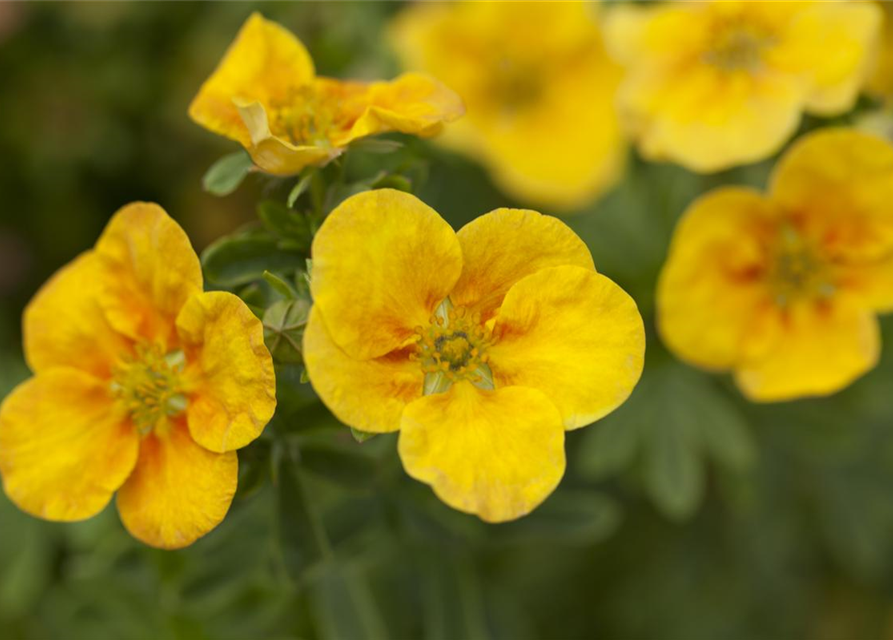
(149, 386)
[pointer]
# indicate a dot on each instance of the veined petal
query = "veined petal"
(232, 385)
(264, 62)
(273, 154)
(710, 288)
(574, 335)
(497, 454)
(505, 245)
(839, 183)
(152, 269)
(412, 103)
(369, 395)
(821, 348)
(64, 325)
(64, 448)
(382, 262)
(179, 490)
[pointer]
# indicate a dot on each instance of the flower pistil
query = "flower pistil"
(150, 387)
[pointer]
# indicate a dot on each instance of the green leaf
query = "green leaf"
(361, 436)
(452, 598)
(227, 174)
(673, 472)
(238, 260)
(292, 228)
(376, 145)
(302, 539)
(300, 187)
(393, 181)
(281, 287)
(570, 516)
(284, 323)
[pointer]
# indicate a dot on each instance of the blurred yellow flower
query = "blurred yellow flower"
(265, 95)
(143, 385)
(480, 347)
(539, 88)
(881, 83)
(783, 288)
(711, 85)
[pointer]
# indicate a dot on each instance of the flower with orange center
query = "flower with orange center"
(711, 85)
(539, 88)
(783, 289)
(481, 347)
(265, 95)
(142, 384)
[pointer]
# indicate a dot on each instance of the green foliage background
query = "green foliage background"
(687, 514)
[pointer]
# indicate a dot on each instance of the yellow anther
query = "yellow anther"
(149, 386)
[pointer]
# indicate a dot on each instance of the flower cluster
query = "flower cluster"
(481, 347)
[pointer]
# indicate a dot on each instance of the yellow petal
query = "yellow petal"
(264, 62)
(153, 268)
(837, 72)
(707, 119)
(497, 454)
(382, 262)
(821, 348)
(709, 291)
(64, 325)
(574, 335)
(503, 246)
(840, 183)
(881, 82)
(232, 385)
(369, 395)
(272, 153)
(412, 103)
(64, 449)
(179, 491)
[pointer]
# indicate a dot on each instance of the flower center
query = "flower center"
(303, 117)
(797, 270)
(516, 85)
(150, 387)
(738, 48)
(453, 347)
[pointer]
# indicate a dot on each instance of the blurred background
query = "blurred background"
(689, 513)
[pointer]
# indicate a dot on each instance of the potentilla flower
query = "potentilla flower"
(539, 88)
(266, 95)
(710, 85)
(783, 288)
(480, 347)
(143, 385)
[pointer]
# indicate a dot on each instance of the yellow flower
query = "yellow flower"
(265, 95)
(480, 347)
(711, 85)
(783, 288)
(143, 384)
(539, 88)
(881, 83)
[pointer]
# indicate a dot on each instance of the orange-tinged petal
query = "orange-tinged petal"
(710, 288)
(369, 395)
(821, 348)
(497, 454)
(411, 103)
(574, 335)
(179, 490)
(153, 271)
(382, 262)
(505, 245)
(232, 385)
(839, 184)
(64, 448)
(64, 325)
(263, 63)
